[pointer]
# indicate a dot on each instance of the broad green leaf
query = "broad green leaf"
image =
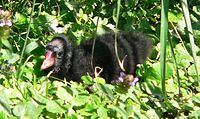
(31, 111)
(196, 99)
(175, 104)
(6, 54)
(99, 80)
(152, 114)
(120, 111)
(102, 112)
(37, 96)
(19, 109)
(7, 44)
(85, 17)
(182, 56)
(13, 58)
(28, 110)
(55, 106)
(169, 69)
(151, 87)
(106, 90)
(4, 104)
(195, 114)
(81, 12)
(191, 70)
(129, 110)
(2, 115)
(30, 47)
(175, 16)
(20, 19)
(80, 100)
(87, 79)
(90, 107)
(64, 93)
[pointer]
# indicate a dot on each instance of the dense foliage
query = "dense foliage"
(26, 91)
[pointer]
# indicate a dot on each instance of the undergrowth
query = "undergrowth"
(26, 92)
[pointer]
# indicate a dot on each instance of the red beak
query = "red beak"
(49, 60)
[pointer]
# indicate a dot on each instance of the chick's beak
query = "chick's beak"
(49, 60)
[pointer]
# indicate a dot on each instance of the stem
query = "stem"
(26, 40)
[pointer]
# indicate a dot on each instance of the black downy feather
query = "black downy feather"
(75, 61)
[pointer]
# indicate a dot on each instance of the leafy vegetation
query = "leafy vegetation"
(26, 91)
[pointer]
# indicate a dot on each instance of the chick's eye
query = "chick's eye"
(56, 49)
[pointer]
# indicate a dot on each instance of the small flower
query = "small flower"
(5, 18)
(120, 79)
(133, 83)
(122, 74)
(8, 23)
(2, 23)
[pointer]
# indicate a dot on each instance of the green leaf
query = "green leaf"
(129, 109)
(4, 103)
(192, 71)
(152, 73)
(27, 110)
(87, 79)
(175, 16)
(2, 115)
(196, 99)
(20, 19)
(151, 87)
(37, 96)
(106, 90)
(102, 112)
(169, 69)
(80, 100)
(119, 110)
(7, 44)
(19, 109)
(55, 106)
(175, 104)
(32, 111)
(64, 93)
(99, 80)
(30, 47)
(152, 114)
(13, 58)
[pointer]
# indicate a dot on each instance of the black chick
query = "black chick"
(67, 59)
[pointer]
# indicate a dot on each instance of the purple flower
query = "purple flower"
(2, 23)
(133, 83)
(120, 79)
(8, 23)
(5, 23)
(122, 74)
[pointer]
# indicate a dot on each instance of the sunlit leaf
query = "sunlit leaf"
(80, 100)
(102, 112)
(64, 93)
(7, 44)
(169, 69)
(55, 106)
(30, 47)
(13, 58)
(119, 110)
(175, 16)
(87, 79)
